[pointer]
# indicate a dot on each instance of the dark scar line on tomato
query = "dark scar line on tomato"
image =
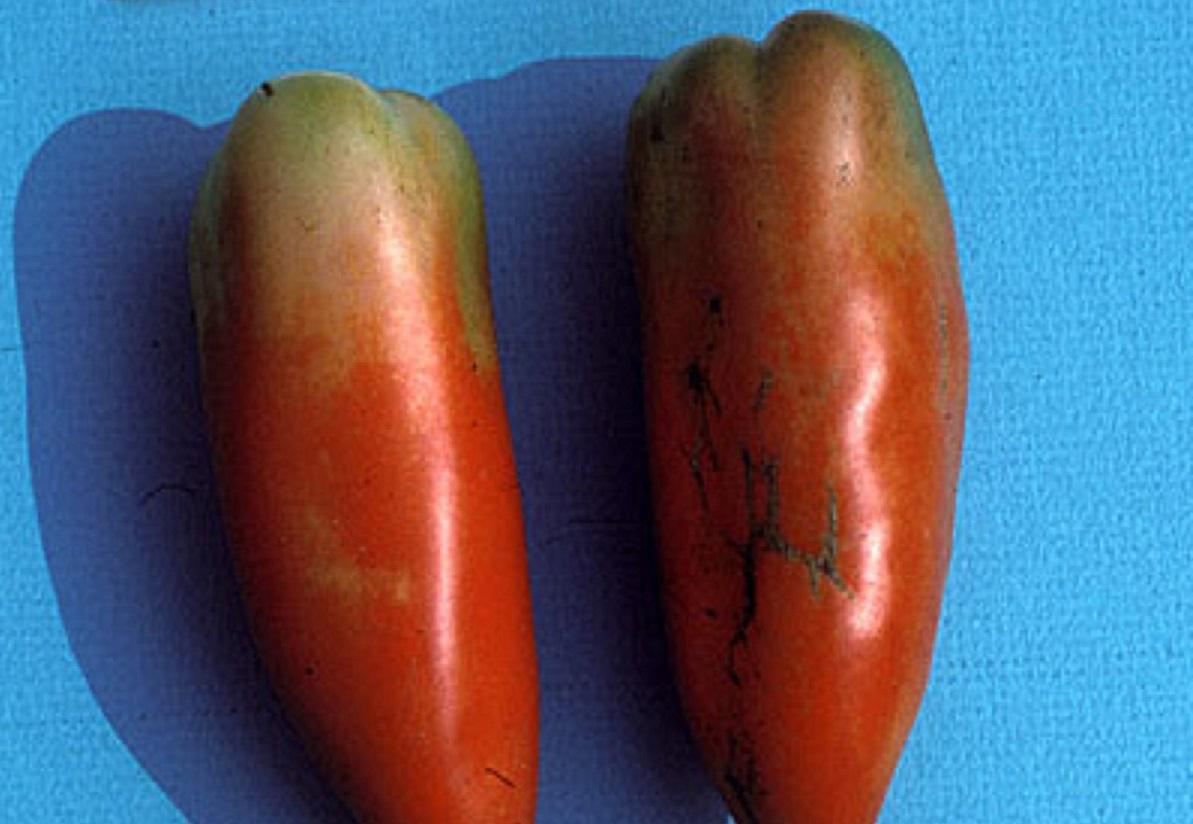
(741, 794)
(764, 385)
(500, 777)
(749, 571)
(821, 563)
(697, 470)
(764, 535)
(742, 777)
(699, 386)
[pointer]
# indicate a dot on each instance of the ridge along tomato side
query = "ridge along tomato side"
(805, 365)
(361, 447)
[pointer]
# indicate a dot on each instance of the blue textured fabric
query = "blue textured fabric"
(128, 688)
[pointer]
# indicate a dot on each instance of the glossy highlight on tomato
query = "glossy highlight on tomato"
(361, 447)
(805, 366)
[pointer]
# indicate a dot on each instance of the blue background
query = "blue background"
(1061, 690)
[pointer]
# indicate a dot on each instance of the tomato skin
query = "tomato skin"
(805, 366)
(361, 447)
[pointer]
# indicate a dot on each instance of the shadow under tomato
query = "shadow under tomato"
(124, 495)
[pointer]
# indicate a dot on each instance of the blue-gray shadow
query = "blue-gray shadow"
(124, 494)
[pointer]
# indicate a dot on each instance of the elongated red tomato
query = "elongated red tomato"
(361, 447)
(805, 356)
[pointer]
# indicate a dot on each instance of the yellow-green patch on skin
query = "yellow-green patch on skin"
(331, 568)
(311, 160)
(356, 584)
(299, 150)
(448, 149)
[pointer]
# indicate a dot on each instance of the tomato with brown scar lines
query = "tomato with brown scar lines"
(805, 360)
(361, 447)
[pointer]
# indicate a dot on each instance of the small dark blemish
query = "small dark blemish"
(309, 671)
(714, 305)
(656, 132)
(502, 778)
(710, 613)
(267, 89)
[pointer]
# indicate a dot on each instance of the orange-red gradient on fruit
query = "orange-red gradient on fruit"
(361, 447)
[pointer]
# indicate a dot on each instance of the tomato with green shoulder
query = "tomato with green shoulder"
(361, 447)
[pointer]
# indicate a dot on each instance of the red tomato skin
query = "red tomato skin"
(805, 366)
(361, 447)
